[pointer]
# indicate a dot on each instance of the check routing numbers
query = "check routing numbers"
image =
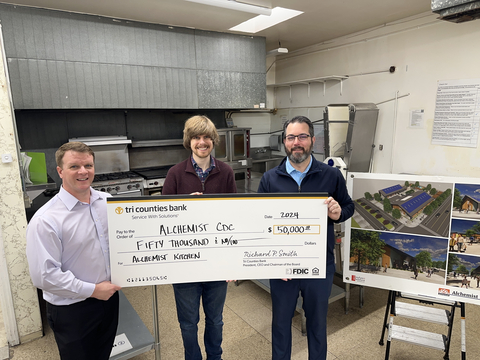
(200, 238)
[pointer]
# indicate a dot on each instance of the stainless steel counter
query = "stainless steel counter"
(249, 185)
(263, 164)
(35, 189)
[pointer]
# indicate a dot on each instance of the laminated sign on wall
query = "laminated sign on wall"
(416, 234)
(457, 113)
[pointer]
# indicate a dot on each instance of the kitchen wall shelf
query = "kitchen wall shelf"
(323, 79)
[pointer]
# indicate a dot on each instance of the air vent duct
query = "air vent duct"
(457, 11)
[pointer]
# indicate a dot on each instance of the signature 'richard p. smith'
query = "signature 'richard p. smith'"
(269, 254)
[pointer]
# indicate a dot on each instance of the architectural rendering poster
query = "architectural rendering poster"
(416, 234)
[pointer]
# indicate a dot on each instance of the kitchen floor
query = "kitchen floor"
(247, 334)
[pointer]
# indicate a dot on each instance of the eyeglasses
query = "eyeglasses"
(301, 137)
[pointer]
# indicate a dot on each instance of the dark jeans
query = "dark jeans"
(315, 293)
(85, 330)
(187, 298)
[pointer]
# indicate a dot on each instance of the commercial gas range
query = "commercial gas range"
(153, 178)
(125, 183)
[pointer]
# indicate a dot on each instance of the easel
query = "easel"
(424, 313)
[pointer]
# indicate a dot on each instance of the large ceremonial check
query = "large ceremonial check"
(177, 239)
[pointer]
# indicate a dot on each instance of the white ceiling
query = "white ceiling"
(322, 19)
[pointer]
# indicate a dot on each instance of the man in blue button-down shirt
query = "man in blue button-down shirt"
(68, 256)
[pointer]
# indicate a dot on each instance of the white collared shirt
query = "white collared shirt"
(67, 247)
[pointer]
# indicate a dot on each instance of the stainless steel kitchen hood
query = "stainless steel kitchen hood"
(111, 152)
(457, 11)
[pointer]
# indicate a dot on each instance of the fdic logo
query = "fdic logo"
(119, 210)
(443, 291)
(297, 271)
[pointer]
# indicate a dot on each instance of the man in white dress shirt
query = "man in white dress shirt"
(68, 256)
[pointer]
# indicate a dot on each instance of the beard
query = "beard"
(298, 158)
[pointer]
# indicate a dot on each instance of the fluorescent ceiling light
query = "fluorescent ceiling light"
(262, 22)
(233, 5)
